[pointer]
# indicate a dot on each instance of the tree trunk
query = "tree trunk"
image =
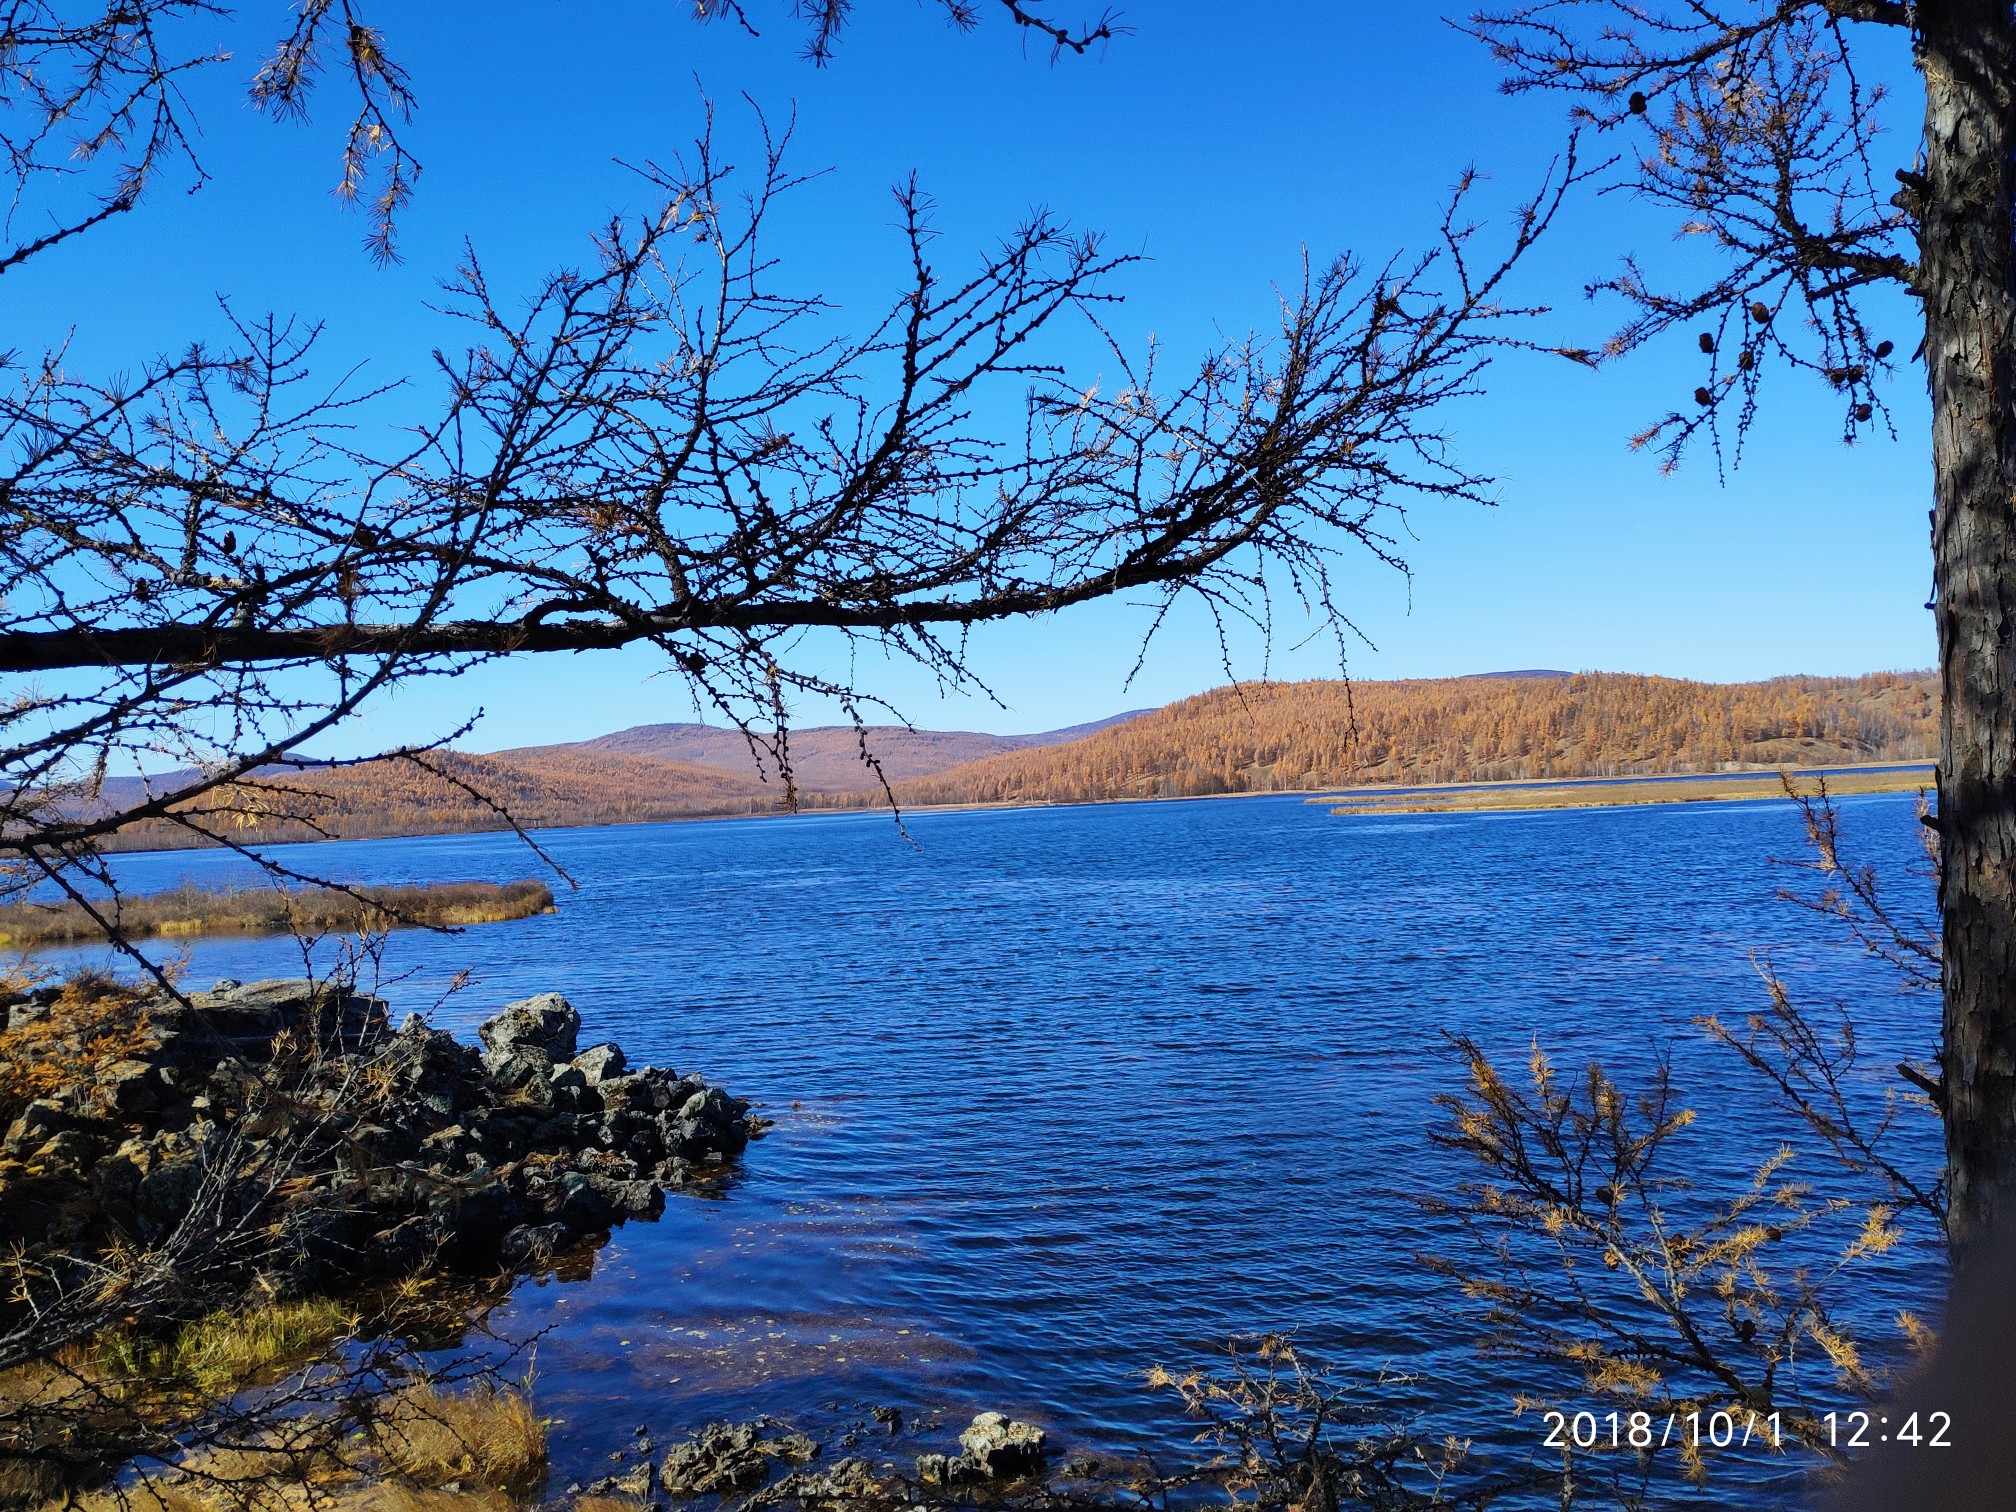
(1967, 249)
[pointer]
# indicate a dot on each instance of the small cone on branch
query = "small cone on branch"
(1707, 342)
(1702, 396)
(1745, 361)
(1864, 411)
(1884, 349)
(1761, 313)
(1638, 102)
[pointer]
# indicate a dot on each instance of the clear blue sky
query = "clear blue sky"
(1219, 141)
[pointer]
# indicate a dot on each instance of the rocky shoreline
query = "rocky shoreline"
(358, 1150)
(738, 1459)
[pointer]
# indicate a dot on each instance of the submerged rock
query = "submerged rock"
(725, 1457)
(635, 1484)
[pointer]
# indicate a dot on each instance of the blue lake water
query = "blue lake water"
(1064, 1093)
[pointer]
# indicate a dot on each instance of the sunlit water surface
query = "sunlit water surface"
(1065, 1093)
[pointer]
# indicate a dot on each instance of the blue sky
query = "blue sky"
(1219, 142)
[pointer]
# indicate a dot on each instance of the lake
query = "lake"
(1065, 1093)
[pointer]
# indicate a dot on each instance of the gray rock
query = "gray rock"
(451, 1143)
(571, 1092)
(599, 1062)
(253, 1012)
(41, 1121)
(514, 1068)
(130, 1086)
(635, 1484)
(934, 1469)
(850, 1482)
(625, 1093)
(546, 1023)
(722, 1457)
(999, 1449)
(799, 1448)
(531, 1245)
(21, 1015)
(167, 1193)
(437, 1171)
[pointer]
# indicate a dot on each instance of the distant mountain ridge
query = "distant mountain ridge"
(1250, 738)
(824, 758)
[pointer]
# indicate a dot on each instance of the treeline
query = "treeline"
(1297, 737)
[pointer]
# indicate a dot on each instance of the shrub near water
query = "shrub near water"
(189, 910)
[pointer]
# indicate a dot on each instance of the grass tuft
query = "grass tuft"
(225, 1352)
(488, 1437)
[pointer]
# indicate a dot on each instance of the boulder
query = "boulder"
(129, 1087)
(250, 1014)
(997, 1448)
(599, 1062)
(711, 1106)
(547, 1024)
(517, 1068)
(722, 1457)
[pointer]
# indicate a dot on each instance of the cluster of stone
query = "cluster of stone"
(993, 1448)
(734, 1459)
(372, 1150)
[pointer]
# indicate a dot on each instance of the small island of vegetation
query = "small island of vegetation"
(192, 910)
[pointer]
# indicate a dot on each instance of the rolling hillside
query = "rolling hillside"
(824, 758)
(1282, 737)
(540, 790)
(1297, 737)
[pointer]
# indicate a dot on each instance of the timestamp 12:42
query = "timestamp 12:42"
(1858, 1430)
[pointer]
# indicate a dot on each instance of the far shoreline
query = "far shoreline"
(1659, 789)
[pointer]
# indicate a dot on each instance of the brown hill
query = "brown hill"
(1296, 737)
(542, 788)
(824, 758)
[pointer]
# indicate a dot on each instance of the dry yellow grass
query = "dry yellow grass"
(1518, 796)
(606, 1504)
(479, 1450)
(489, 1437)
(189, 910)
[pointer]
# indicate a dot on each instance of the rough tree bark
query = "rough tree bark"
(1967, 271)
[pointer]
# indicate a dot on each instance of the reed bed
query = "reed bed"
(192, 910)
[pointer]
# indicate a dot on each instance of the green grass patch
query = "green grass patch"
(228, 1350)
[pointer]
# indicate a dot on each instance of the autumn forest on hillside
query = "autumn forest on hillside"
(1302, 737)
(1247, 738)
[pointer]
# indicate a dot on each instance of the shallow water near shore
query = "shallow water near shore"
(1065, 1093)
